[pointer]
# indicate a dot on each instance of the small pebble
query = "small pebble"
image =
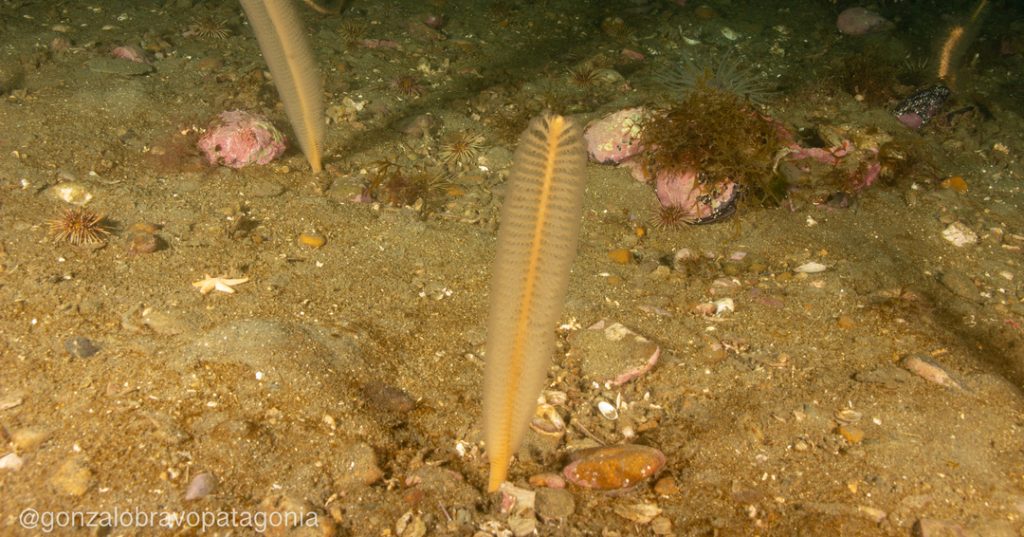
(28, 439)
(360, 463)
(388, 398)
(201, 486)
(853, 435)
(312, 240)
(73, 478)
(621, 256)
(547, 479)
(144, 243)
(554, 505)
(846, 322)
(80, 347)
(661, 526)
(666, 486)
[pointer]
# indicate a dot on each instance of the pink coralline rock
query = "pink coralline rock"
(861, 21)
(130, 53)
(700, 200)
(615, 137)
(238, 138)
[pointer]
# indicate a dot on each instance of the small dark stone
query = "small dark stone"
(388, 398)
(80, 347)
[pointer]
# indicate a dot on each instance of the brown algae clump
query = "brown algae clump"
(717, 134)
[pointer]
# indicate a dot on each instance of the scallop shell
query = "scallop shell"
(607, 410)
(548, 422)
(730, 34)
(847, 416)
(71, 192)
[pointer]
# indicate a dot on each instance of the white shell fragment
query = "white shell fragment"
(641, 513)
(811, 267)
(11, 461)
(959, 234)
(607, 410)
(724, 305)
(71, 192)
(730, 34)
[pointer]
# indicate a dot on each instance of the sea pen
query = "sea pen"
(284, 46)
(540, 221)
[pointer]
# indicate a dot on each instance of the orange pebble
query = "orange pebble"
(956, 184)
(621, 256)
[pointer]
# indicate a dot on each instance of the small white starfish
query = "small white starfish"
(220, 283)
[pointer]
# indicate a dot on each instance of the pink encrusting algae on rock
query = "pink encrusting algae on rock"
(238, 138)
(130, 53)
(616, 137)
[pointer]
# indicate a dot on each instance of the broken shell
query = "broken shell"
(548, 422)
(959, 234)
(730, 34)
(724, 305)
(641, 513)
(12, 462)
(614, 467)
(811, 267)
(847, 416)
(71, 192)
(553, 397)
(607, 410)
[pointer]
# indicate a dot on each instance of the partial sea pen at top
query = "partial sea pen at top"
(283, 43)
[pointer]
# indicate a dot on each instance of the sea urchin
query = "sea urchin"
(461, 148)
(79, 226)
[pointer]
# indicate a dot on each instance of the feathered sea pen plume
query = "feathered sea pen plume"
(283, 42)
(540, 224)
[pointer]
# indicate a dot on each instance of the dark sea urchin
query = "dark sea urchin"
(461, 148)
(79, 226)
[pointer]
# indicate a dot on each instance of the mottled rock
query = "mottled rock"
(611, 354)
(554, 505)
(201, 486)
(80, 346)
(29, 439)
(358, 465)
(72, 478)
